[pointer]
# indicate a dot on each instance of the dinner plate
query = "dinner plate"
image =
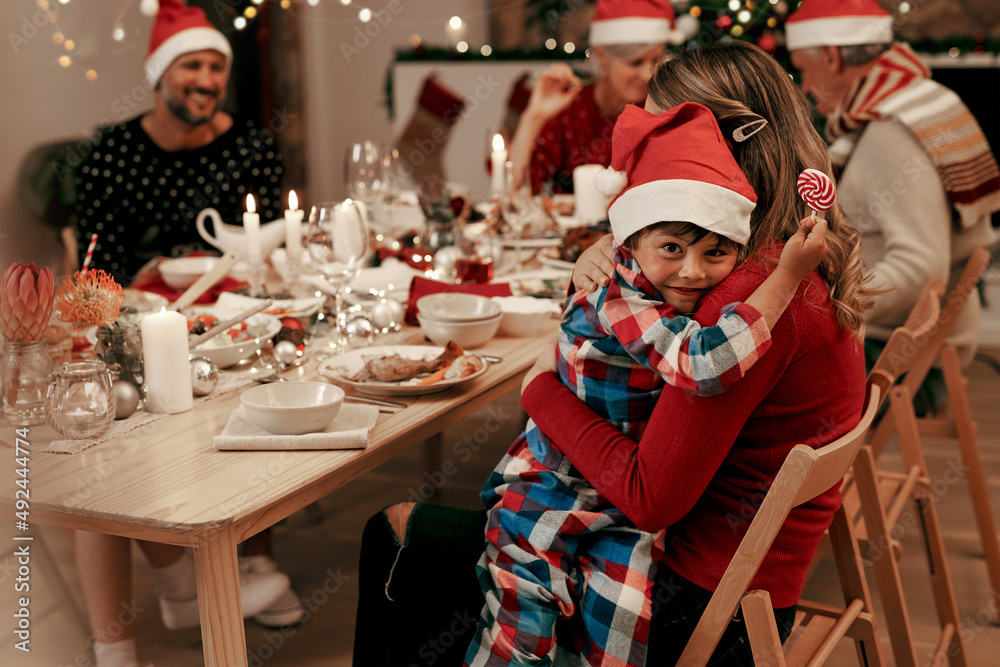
(474, 230)
(338, 367)
(303, 307)
(139, 301)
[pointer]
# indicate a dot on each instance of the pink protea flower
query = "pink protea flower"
(26, 297)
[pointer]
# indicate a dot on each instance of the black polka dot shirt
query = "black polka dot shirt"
(142, 201)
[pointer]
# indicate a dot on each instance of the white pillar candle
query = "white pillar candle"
(165, 362)
(591, 204)
(498, 160)
(251, 226)
(293, 228)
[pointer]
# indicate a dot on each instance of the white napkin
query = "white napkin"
(349, 430)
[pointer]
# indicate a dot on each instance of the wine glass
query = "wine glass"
(338, 246)
(515, 209)
(363, 171)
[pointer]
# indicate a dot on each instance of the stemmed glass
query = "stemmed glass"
(363, 171)
(338, 246)
(515, 209)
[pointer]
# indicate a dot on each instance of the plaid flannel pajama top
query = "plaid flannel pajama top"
(560, 560)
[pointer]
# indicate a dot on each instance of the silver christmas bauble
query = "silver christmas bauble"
(204, 376)
(382, 314)
(126, 398)
(359, 330)
(285, 352)
(445, 258)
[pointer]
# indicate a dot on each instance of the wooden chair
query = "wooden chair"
(876, 500)
(956, 421)
(805, 474)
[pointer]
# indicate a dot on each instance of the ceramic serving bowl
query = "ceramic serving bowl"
(457, 307)
(292, 408)
(180, 273)
(524, 315)
(465, 334)
(222, 350)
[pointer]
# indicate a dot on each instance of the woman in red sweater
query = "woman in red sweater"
(704, 463)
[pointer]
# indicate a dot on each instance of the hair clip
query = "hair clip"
(744, 132)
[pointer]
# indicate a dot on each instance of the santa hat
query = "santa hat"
(675, 166)
(179, 29)
(837, 23)
(631, 22)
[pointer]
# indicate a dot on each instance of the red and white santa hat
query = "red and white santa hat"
(675, 166)
(631, 22)
(837, 23)
(179, 29)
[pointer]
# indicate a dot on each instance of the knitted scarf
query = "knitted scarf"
(897, 87)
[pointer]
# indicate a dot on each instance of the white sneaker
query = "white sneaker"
(287, 609)
(258, 590)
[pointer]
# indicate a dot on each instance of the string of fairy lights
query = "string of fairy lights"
(759, 21)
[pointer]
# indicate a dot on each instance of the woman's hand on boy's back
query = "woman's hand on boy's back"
(806, 249)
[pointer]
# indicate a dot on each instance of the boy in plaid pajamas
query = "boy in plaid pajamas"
(557, 554)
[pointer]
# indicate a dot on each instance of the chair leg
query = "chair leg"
(967, 434)
(765, 642)
(930, 526)
(886, 570)
(847, 556)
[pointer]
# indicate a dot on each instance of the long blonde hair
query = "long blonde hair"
(740, 83)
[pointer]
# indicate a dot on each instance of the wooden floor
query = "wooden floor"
(320, 554)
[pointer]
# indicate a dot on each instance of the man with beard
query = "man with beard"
(145, 180)
(140, 189)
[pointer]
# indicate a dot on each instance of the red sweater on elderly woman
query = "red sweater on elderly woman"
(704, 463)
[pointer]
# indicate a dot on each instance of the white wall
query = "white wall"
(42, 101)
(346, 69)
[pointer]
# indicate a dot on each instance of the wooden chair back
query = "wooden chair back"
(805, 474)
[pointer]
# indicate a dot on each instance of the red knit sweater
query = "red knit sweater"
(704, 463)
(578, 135)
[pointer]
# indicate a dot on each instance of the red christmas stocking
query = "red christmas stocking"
(422, 144)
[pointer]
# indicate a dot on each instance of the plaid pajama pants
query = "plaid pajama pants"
(561, 564)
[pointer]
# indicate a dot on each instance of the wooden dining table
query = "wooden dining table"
(166, 483)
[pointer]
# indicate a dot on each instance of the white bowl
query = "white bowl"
(457, 307)
(465, 334)
(524, 315)
(221, 350)
(292, 408)
(181, 273)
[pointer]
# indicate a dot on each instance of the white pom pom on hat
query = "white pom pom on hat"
(679, 169)
(609, 182)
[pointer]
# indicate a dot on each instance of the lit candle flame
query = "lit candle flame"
(251, 208)
(497, 142)
(293, 201)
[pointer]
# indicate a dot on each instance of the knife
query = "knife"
(375, 401)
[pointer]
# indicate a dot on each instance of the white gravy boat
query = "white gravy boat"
(228, 237)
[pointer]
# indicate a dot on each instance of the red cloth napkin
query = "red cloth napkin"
(421, 286)
(157, 286)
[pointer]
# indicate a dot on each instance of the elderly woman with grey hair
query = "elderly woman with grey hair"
(566, 123)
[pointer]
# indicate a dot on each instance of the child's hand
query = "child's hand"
(806, 249)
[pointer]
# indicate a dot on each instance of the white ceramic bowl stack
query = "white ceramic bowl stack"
(467, 319)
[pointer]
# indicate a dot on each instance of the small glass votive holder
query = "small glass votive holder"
(81, 399)
(119, 346)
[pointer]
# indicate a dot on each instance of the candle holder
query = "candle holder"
(81, 399)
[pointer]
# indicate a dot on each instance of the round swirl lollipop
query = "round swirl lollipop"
(816, 189)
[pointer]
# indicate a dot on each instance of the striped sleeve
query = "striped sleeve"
(701, 360)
